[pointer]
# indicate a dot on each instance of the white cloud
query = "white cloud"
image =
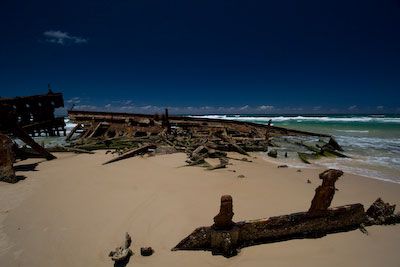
(148, 107)
(316, 108)
(244, 107)
(126, 107)
(354, 107)
(108, 106)
(379, 107)
(86, 107)
(62, 38)
(296, 109)
(74, 100)
(264, 107)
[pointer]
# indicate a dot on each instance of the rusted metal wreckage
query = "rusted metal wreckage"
(198, 137)
(113, 124)
(22, 118)
(226, 237)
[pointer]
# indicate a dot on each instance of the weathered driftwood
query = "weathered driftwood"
(132, 153)
(7, 157)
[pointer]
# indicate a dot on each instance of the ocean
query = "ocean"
(372, 141)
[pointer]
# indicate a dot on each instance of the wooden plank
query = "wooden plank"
(132, 153)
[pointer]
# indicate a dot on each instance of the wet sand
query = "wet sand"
(72, 211)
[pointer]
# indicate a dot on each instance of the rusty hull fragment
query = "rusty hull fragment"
(318, 222)
(7, 157)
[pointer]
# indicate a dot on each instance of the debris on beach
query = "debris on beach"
(273, 153)
(128, 135)
(146, 251)
(122, 253)
(134, 152)
(381, 212)
(199, 138)
(226, 237)
(321, 149)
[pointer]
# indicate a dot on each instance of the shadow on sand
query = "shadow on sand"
(122, 263)
(26, 167)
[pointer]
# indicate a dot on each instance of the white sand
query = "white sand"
(72, 211)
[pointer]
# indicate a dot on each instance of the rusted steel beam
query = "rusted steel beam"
(278, 228)
(225, 236)
(72, 132)
(21, 134)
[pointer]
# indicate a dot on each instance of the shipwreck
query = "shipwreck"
(226, 237)
(24, 118)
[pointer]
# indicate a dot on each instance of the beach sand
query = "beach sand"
(73, 211)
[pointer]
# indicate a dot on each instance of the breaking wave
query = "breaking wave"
(264, 119)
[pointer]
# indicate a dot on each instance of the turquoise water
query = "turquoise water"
(372, 141)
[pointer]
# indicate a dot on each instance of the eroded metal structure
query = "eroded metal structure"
(34, 114)
(225, 237)
(24, 117)
(113, 124)
(182, 133)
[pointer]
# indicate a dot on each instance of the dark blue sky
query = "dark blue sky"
(205, 56)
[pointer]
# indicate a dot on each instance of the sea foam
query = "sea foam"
(303, 118)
